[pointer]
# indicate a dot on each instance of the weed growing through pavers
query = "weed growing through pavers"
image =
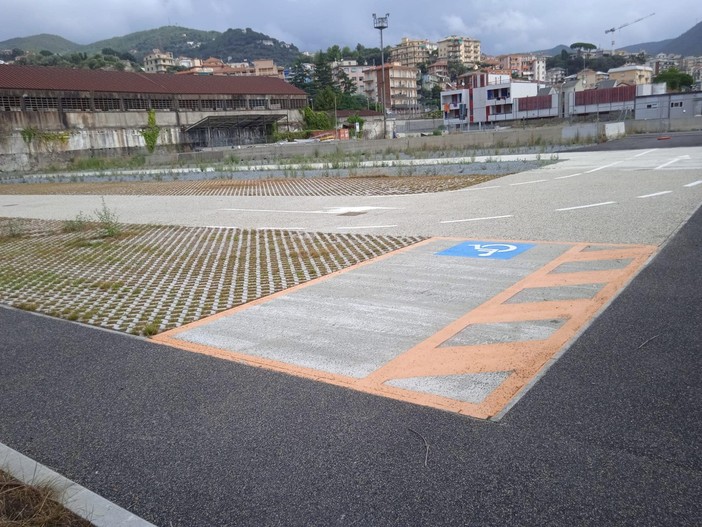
(78, 224)
(11, 228)
(108, 220)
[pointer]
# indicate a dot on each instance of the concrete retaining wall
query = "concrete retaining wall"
(120, 135)
(664, 125)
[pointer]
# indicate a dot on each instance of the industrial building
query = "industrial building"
(57, 110)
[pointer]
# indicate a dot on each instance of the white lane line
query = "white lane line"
(479, 188)
(366, 227)
(477, 219)
(679, 158)
(694, 183)
(328, 210)
(527, 182)
(603, 167)
(646, 152)
(668, 163)
(655, 194)
(572, 175)
(588, 206)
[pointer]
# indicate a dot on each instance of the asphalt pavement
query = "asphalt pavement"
(610, 435)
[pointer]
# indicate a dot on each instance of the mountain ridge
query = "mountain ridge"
(239, 45)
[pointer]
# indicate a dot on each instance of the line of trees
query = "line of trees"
(108, 59)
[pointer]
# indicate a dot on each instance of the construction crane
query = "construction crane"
(615, 29)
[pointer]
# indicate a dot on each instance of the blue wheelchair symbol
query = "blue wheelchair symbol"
(486, 250)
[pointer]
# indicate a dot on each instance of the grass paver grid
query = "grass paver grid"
(152, 278)
(332, 186)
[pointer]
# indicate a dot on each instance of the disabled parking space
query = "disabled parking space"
(460, 325)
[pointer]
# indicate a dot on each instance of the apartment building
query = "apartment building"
(555, 75)
(590, 78)
(631, 74)
(663, 62)
(484, 97)
(525, 65)
(352, 70)
(462, 49)
(399, 85)
(412, 52)
(158, 61)
(215, 66)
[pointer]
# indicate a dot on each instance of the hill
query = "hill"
(234, 45)
(178, 40)
(238, 45)
(553, 51)
(687, 44)
(52, 43)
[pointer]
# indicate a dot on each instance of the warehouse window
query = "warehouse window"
(103, 104)
(41, 103)
(81, 104)
(9, 103)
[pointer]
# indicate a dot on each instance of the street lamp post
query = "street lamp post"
(380, 23)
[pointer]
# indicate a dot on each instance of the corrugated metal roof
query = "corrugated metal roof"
(64, 79)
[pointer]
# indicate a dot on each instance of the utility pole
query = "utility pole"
(380, 23)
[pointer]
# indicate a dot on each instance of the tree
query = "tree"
(322, 76)
(299, 77)
(455, 69)
(316, 120)
(580, 46)
(353, 101)
(334, 53)
(675, 79)
(344, 83)
(353, 119)
(325, 99)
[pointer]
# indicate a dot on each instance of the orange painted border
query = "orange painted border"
(523, 359)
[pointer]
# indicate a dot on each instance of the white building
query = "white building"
(486, 98)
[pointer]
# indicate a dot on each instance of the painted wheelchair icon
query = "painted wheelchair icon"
(486, 250)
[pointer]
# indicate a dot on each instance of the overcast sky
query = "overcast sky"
(503, 26)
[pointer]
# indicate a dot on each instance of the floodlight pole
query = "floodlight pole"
(380, 23)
